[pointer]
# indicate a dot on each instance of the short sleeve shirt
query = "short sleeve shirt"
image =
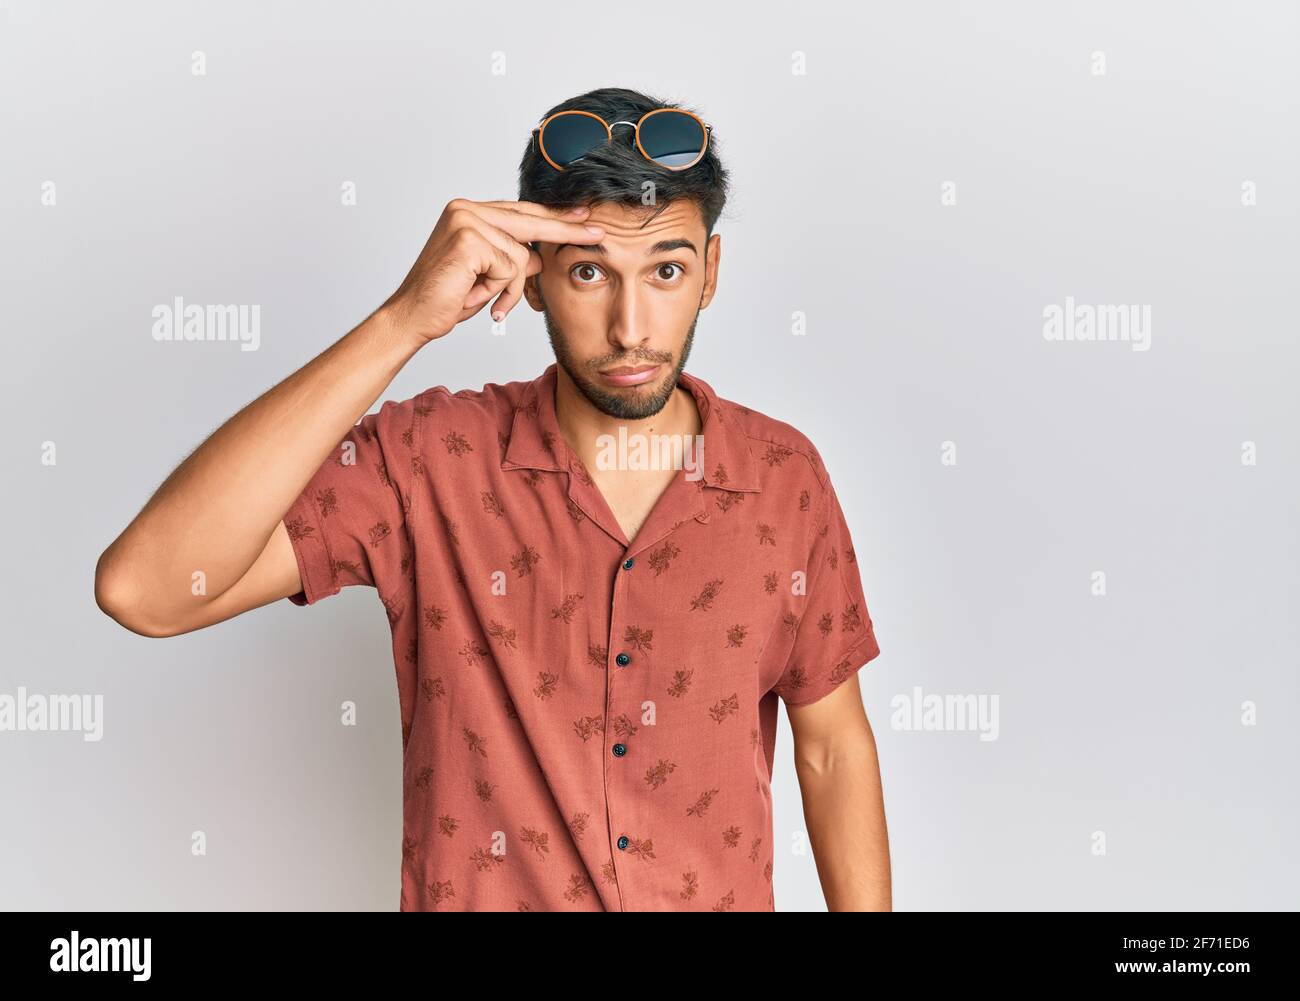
(588, 724)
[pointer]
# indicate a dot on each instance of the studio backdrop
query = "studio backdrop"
(1024, 273)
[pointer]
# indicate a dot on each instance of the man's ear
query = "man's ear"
(533, 293)
(532, 289)
(712, 257)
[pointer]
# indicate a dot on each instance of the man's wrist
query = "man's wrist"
(387, 327)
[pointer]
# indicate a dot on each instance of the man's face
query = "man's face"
(621, 314)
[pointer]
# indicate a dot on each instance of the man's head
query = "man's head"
(632, 301)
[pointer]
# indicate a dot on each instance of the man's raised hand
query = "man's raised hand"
(476, 251)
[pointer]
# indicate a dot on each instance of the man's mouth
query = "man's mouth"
(629, 375)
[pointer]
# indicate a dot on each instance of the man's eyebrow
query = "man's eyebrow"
(662, 247)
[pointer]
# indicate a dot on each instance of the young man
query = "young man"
(589, 648)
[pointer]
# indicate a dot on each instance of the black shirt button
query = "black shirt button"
(622, 842)
(620, 750)
(622, 660)
(627, 563)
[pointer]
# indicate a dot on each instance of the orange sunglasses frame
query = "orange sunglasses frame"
(539, 133)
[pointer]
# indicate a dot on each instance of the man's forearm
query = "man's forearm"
(845, 813)
(218, 508)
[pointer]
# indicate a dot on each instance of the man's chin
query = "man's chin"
(629, 403)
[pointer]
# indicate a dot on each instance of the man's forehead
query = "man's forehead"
(631, 228)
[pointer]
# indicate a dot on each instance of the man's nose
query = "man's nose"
(627, 320)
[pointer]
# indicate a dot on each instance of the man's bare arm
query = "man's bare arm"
(221, 511)
(843, 804)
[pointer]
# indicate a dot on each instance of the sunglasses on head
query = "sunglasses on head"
(670, 137)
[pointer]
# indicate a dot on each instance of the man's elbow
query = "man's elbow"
(119, 597)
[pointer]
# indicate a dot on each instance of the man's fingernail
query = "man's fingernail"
(595, 231)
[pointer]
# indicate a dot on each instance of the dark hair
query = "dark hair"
(616, 171)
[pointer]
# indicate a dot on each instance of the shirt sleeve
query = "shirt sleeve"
(349, 524)
(835, 635)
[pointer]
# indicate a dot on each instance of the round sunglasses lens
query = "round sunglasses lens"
(672, 139)
(571, 136)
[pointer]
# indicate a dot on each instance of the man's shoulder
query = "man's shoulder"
(776, 445)
(489, 403)
(439, 422)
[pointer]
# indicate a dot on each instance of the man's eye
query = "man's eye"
(671, 277)
(585, 273)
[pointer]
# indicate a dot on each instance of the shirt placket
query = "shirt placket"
(629, 665)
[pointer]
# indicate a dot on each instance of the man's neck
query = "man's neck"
(583, 424)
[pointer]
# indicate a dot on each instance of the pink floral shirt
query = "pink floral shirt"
(588, 724)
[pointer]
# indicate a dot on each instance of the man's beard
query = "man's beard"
(627, 408)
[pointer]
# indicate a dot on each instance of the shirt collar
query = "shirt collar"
(536, 442)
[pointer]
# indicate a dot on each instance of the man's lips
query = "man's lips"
(629, 375)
